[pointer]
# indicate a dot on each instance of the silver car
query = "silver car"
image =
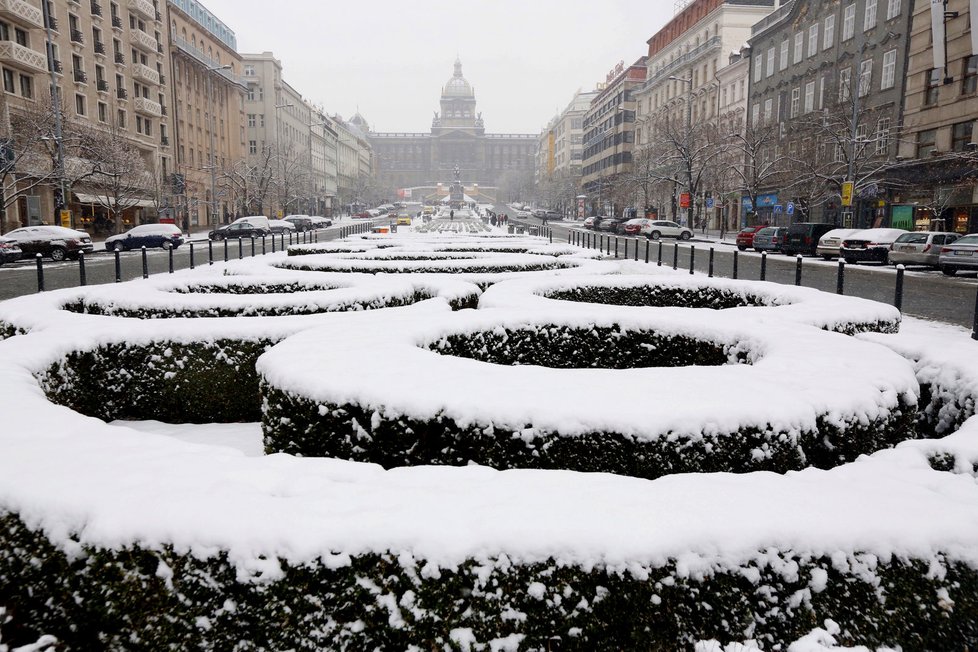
(920, 248)
(960, 255)
(828, 244)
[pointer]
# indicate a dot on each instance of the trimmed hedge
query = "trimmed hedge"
(143, 599)
(381, 268)
(250, 288)
(9, 330)
(659, 296)
(201, 382)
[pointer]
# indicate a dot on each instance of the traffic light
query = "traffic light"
(59, 200)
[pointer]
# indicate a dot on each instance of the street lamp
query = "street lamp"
(688, 138)
(56, 107)
(213, 165)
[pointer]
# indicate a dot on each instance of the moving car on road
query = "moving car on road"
(960, 255)
(9, 250)
(151, 236)
(828, 244)
(869, 245)
(238, 230)
(920, 247)
(55, 242)
(803, 237)
(655, 229)
(771, 238)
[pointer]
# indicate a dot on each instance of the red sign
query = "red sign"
(684, 200)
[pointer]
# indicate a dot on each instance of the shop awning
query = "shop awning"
(101, 200)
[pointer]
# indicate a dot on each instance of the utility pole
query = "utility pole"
(56, 107)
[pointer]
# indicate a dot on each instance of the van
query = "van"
(803, 237)
(258, 221)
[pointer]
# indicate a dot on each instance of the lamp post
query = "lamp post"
(213, 164)
(56, 107)
(688, 138)
(278, 152)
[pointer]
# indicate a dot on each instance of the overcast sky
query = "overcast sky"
(390, 58)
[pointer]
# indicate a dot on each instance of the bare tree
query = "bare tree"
(117, 174)
(751, 159)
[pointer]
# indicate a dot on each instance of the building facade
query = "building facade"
(207, 113)
(560, 155)
(938, 175)
(608, 139)
(457, 138)
(323, 145)
(830, 76)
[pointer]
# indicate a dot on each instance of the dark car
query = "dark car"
(770, 238)
(612, 224)
(151, 236)
(237, 230)
(870, 245)
(56, 242)
(803, 237)
(9, 250)
(552, 215)
(591, 222)
(745, 239)
(301, 222)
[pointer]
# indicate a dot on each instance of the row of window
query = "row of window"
(619, 158)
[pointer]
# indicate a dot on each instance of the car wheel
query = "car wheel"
(742, 247)
(826, 257)
(851, 261)
(58, 254)
(655, 235)
(685, 235)
(948, 271)
(119, 247)
(167, 244)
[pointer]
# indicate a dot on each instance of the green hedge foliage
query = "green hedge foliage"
(141, 599)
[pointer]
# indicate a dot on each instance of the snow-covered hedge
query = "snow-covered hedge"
(484, 264)
(664, 288)
(575, 391)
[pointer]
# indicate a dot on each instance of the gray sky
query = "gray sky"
(390, 58)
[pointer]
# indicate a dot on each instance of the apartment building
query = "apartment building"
(560, 155)
(207, 104)
(109, 69)
(324, 142)
(354, 162)
(937, 180)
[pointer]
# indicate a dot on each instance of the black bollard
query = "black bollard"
(40, 273)
(636, 251)
(252, 246)
(798, 270)
(734, 265)
(692, 257)
(82, 277)
(840, 279)
(273, 244)
(118, 267)
(263, 245)
(659, 258)
(711, 262)
(898, 293)
(145, 264)
(647, 246)
(170, 261)
(210, 252)
(191, 255)
(616, 246)
(282, 241)
(675, 256)
(240, 248)
(974, 328)
(763, 265)
(225, 250)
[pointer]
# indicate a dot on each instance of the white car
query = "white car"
(655, 229)
(828, 244)
(281, 226)
(870, 245)
(522, 213)
(320, 222)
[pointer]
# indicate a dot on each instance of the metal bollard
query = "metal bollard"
(145, 263)
(711, 262)
(675, 256)
(974, 328)
(763, 265)
(898, 293)
(616, 246)
(170, 255)
(636, 251)
(692, 257)
(315, 236)
(840, 279)
(252, 246)
(735, 265)
(225, 250)
(240, 248)
(798, 270)
(82, 276)
(191, 255)
(282, 241)
(659, 259)
(118, 267)
(550, 234)
(647, 247)
(273, 244)
(40, 273)
(210, 252)
(263, 245)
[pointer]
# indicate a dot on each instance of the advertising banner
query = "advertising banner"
(684, 200)
(937, 31)
(974, 26)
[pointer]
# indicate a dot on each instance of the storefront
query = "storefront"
(90, 214)
(765, 213)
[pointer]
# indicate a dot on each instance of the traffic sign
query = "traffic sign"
(709, 202)
(791, 208)
(847, 190)
(65, 218)
(778, 208)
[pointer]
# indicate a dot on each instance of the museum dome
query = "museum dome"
(457, 86)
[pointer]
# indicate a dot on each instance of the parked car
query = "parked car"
(281, 226)
(634, 226)
(771, 238)
(829, 244)
(745, 238)
(362, 215)
(803, 237)
(655, 229)
(872, 245)
(522, 214)
(254, 220)
(319, 222)
(538, 212)
(552, 215)
(588, 222)
(165, 236)
(55, 242)
(611, 224)
(301, 222)
(920, 248)
(238, 230)
(960, 255)
(9, 250)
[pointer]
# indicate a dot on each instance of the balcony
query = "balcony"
(96, 9)
(52, 22)
(99, 47)
(77, 36)
(79, 76)
(201, 57)
(165, 141)
(16, 55)
(22, 13)
(147, 106)
(162, 110)
(102, 86)
(146, 74)
(120, 58)
(144, 8)
(142, 40)
(116, 22)
(121, 93)
(683, 61)
(56, 66)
